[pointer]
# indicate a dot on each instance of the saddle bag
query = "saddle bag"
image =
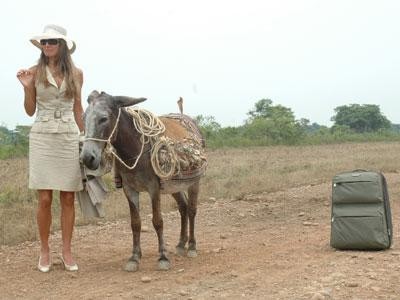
(360, 217)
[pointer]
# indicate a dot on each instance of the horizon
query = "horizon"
(311, 122)
(221, 57)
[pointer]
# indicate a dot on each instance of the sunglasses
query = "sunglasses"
(49, 42)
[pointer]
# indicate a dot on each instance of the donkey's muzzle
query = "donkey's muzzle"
(90, 159)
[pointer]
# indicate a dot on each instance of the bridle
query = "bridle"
(109, 147)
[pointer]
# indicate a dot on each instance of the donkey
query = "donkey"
(106, 120)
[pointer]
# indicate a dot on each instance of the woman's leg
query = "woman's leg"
(67, 224)
(44, 222)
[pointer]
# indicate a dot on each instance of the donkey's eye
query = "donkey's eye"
(103, 120)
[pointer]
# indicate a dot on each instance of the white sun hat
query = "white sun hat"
(53, 32)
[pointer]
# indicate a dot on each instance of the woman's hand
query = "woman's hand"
(26, 77)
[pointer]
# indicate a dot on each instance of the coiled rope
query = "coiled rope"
(146, 123)
(163, 157)
(164, 160)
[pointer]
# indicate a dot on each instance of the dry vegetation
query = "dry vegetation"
(262, 233)
(232, 173)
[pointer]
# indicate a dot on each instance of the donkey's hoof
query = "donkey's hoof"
(164, 265)
(131, 266)
(180, 251)
(192, 253)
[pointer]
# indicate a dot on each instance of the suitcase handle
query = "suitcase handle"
(359, 170)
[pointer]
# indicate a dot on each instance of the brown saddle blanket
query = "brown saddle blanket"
(189, 145)
(180, 127)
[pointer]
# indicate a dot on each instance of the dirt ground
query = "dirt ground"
(262, 246)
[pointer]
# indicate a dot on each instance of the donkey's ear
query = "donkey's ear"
(122, 101)
(92, 95)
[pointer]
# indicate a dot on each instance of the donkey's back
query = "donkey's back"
(189, 147)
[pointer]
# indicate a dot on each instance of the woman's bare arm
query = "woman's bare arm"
(78, 110)
(27, 79)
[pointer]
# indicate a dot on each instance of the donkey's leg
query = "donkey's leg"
(163, 262)
(193, 193)
(181, 200)
(133, 199)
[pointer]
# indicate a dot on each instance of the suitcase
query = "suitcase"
(360, 216)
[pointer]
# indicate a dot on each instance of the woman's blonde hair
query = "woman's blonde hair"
(65, 67)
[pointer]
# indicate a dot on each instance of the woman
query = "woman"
(53, 89)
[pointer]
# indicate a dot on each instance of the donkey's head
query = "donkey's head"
(101, 122)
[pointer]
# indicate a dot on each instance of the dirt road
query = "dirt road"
(262, 246)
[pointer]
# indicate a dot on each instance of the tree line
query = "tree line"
(267, 124)
(270, 124)
(14, 142)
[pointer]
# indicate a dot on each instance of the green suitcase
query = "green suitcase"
(360, 216)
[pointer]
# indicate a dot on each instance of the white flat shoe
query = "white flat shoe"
(71, 268)
(43, 268)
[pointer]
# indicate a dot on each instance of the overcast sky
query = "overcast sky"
(221, 56)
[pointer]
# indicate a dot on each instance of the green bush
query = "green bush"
(13, 151)
(14, 143)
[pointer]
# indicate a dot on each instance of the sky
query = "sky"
(220, 56)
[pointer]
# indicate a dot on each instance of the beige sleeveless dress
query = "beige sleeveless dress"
(54, 141)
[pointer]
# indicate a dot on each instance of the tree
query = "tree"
(261, 108)
(361, 118)
(264, 109)
(4, 135)
(208, 125)
(396, 127)
(274, 123)
(314, 127)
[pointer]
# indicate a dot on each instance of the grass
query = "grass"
(231, 173)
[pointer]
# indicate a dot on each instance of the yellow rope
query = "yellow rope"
(164, 159)
(146, 122)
